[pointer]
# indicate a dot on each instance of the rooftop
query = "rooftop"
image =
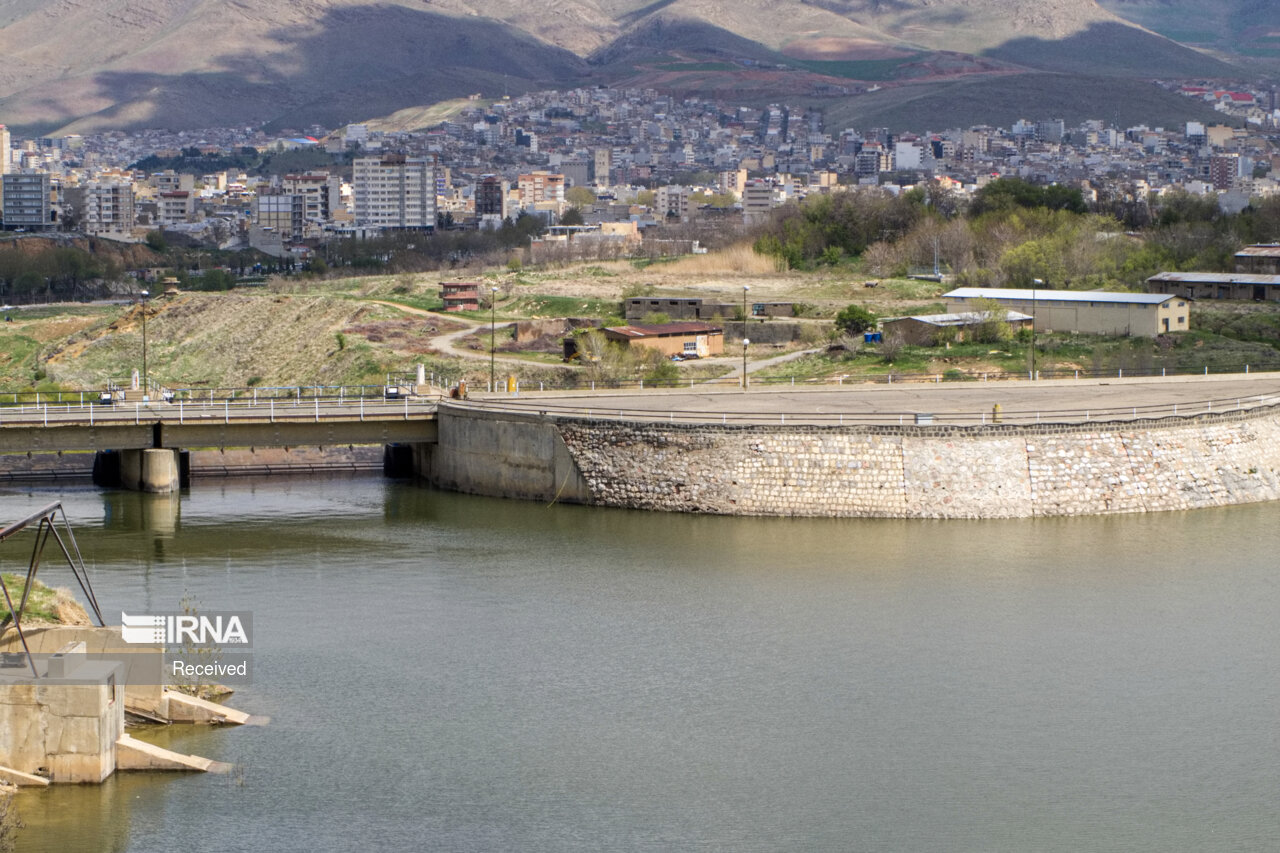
(1046, 295)
(1215, 278)
(645, 331)
(964, 318)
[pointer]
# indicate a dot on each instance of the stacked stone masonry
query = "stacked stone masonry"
(929, 472)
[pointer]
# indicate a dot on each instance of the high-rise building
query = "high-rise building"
(395, 191)
(1223, 170)
(26, 201)
(602, 166)
(491, 197)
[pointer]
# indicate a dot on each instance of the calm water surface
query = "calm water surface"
(461, 674)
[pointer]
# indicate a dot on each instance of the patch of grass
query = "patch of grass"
(538, 305)
(695, 66)
(858, 69)
(43, 604)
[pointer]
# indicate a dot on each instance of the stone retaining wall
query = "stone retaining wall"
(926, 472)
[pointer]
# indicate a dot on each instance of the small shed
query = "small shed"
(924, 329)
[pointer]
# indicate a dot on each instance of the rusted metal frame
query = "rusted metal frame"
(47, 518)
(77, 564)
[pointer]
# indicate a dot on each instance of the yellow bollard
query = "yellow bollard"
(995, 413)
(511, 385)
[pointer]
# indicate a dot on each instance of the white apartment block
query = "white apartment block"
(394, 191)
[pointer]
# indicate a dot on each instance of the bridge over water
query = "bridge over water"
(141, 444)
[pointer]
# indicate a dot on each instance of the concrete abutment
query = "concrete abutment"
(1000, 471)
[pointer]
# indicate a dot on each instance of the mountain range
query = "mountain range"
(87, 65)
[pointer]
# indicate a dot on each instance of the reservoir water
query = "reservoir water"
(452, 673)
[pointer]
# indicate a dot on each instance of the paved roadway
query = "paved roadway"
(969, 402)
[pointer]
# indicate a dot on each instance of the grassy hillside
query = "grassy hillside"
(237, 339)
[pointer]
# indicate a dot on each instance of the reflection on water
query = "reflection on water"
(457, 673)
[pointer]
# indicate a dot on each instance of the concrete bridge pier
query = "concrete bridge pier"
(158, 470)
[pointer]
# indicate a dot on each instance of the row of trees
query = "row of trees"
(1013, 232)
(62, 272)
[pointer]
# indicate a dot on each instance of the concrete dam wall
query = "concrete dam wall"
(993, 471)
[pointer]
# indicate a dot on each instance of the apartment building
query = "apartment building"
(26, 202)
(673, 202)
(395, 191)
(491, 197)
(539, 187)
(175, 206)
(103, 206)
(321, 194)
(282, 212)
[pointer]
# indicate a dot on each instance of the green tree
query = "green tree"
(155, 241)
(854, 320)
(572, 216)
(580, 196)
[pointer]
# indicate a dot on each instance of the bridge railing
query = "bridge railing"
(853, 417)
(226, 409)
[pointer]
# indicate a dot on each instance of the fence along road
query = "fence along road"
(966, 404)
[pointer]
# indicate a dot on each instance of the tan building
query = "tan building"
(1089, 312)
(174, 207)
(321, 194)
(690, 340)
(538, 187)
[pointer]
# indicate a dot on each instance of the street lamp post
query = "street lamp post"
(745, 342)
(146, 392)
(1035, 282)
(493, 329)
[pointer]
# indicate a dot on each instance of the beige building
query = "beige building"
(1086, 311)
(321, 194)
(539, 187)
(690, 340)
(672, 203)
(758, 198)
(174, 207)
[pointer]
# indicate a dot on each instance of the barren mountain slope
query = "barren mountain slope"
(199, 63)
